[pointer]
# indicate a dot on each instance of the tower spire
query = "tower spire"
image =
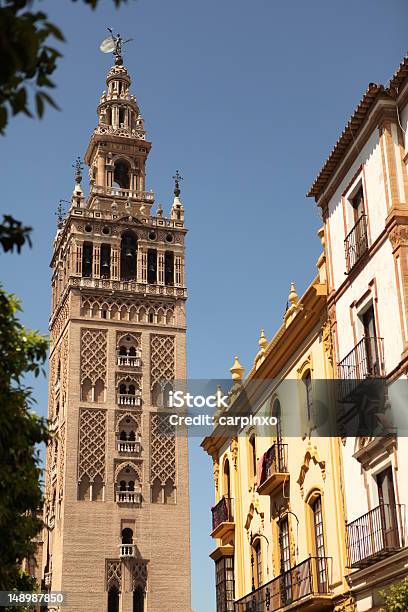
(118, 148)
(177, 210)
(77, 198)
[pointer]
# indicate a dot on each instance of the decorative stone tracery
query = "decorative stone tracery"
(162, 458)
(128, 309)
(60, 320)
(139, 573)
(92, 442)
(161, 360)
(64, 369)
(93, 355)
(61, 461)
(311, 454)
(113, 574)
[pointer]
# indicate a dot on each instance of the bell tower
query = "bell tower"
(116, 499)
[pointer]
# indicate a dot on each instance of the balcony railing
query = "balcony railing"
(126, 399)
(308, 580)
(364, 361)
(129, 361)
(375, 535)
(356, 242)
(126, 285)
(47, 579)
(128, 497)
(129, 446)
(127, 550)
(274, 469)
(222, 517)
(140, 196)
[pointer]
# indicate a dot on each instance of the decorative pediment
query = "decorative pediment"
(311, 454)
(253, 509)
(234, 452)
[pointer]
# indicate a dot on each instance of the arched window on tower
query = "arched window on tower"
(121, 176)
(128, 255)
(138, 599)
(127, 536)
(169, 268)
(87, 257)
(113, 599)
(121, 117)
(105, 260)
(152, 266)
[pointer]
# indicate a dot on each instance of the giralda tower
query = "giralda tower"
(116, 500)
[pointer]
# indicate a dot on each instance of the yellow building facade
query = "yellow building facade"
(278, 519)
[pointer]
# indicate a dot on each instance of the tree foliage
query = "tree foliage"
(396, 597)
(22, 352)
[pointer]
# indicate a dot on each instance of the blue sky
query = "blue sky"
(246, 99)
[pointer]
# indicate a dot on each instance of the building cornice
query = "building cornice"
(356, 130)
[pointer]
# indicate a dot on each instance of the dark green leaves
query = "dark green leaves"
(13, 234)
(21, 351)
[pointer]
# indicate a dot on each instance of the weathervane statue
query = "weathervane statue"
(113, 44)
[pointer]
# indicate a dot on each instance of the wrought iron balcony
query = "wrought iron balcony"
(356, 243)
(128, 497)
(375, 535)
(127, 550)
(222, 517)
(307, 584)
(126, 399)
(129, 446)
(274, 469)
(129, 361)
(364, 362)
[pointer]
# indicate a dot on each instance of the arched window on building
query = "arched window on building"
(252, 457)
(226, 486)
(257, 565)
(285, 560)
(128, 256)
(319, 544)
(279, 456)
(307, 381)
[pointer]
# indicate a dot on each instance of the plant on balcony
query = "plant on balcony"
(396, 597)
